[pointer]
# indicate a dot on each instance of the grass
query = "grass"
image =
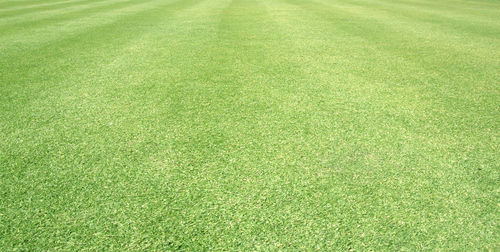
(249, 125)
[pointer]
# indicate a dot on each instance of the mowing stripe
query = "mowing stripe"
(7, 5)
(61, 15)
(461, 21)
(18, 42)
(85, 40)
(463, 52)
(42, 8)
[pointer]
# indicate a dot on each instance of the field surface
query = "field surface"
(249, 125)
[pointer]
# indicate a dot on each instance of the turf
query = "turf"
(249, 125)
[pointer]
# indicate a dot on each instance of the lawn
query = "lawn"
(249, 125)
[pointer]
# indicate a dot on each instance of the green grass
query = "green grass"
(249, 125)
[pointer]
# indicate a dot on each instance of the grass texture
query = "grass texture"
(249, 125)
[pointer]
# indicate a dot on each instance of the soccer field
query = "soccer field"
(249, 125)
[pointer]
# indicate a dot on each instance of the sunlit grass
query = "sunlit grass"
(249, 125)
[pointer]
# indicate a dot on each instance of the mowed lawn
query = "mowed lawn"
(249, 125)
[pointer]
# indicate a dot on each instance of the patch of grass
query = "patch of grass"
(249, 125)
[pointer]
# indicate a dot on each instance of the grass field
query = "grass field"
(249, 125)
